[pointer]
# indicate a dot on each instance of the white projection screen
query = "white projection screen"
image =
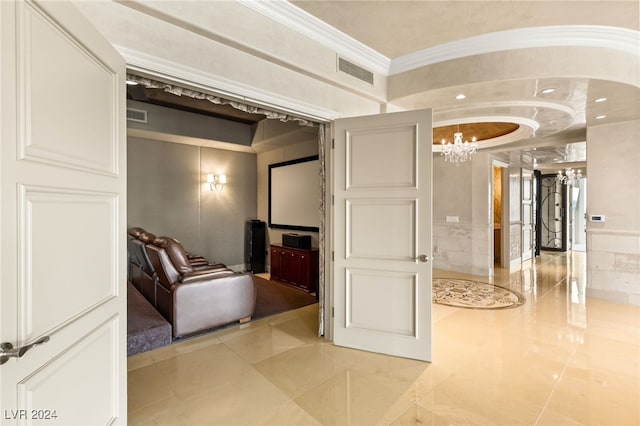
(294, 194)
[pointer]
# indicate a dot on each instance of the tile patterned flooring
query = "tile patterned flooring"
(560, 359)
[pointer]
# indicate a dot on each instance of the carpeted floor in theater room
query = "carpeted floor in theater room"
(274, 297)
(147, 330)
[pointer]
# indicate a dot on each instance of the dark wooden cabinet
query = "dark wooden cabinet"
(296, 267)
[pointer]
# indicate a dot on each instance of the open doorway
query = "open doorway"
(497, 213)
(202, 136)
(500, 188)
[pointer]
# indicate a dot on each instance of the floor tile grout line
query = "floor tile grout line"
(553, 390)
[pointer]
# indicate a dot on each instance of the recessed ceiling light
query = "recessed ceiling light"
(549, 90)
(600, 117)
(460, 97)
(600, 100)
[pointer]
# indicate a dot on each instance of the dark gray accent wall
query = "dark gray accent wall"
(224, 214)
(182, 123)
(168, 195)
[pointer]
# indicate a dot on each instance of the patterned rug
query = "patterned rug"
(474, 294)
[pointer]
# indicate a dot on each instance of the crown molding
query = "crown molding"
(163, 69)
(287, 14)
(621, 39)
(308, 25)
(282, 11)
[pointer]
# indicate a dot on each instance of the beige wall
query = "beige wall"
(300, 150)
(286, 70)
(464, 192)
(168, 195)
(613, 190)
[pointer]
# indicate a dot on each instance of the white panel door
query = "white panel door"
(63, 253)
(382, 233)
(527, 214)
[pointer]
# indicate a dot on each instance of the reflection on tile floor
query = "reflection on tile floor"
(560, 359)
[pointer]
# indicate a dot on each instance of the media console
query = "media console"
(294, 266)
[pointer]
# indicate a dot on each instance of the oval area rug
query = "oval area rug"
(474, 294)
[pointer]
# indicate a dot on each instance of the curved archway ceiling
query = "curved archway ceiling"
(499, 57)
(482, 131)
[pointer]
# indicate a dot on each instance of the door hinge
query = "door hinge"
(333, 199)
(333, 312)
(333, 255)
(333, 143)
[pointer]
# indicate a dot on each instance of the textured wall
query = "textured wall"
(175, 122)
(613, 246)
(195, 48)
(462, 191)
(168, 195)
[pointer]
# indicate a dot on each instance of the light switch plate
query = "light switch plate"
(453, 219)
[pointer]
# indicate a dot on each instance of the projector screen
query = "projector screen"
(294, 194)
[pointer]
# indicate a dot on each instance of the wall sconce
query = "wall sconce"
(216, 181)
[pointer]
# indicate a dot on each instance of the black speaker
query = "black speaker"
(255, 246)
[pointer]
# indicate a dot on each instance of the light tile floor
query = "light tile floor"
(561, 359)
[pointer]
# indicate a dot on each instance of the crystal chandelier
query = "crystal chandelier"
(569, 177)
(458, 151)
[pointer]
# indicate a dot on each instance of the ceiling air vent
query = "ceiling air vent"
(355, 71)
(136, 115)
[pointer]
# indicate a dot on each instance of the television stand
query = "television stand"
(295, 267)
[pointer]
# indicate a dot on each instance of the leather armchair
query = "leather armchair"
(141, 272)
(148, 276)
(194, 298)
(137, 257)
(184, 261)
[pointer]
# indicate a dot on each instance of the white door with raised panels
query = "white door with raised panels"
(527, 215)
(382, 233)
(63, 252)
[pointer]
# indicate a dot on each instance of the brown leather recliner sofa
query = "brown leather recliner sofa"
(193, 294)
(142, 273)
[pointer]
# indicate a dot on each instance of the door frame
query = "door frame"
(537, 187)
(328, 232)
(175, 74)
(505, 230)
(531, 214)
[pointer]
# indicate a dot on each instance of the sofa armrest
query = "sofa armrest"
(204, 274)
(207, 303)
(205, 266)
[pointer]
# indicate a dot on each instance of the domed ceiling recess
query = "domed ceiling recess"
(482, 131)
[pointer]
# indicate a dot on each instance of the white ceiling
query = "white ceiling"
(396, 27)
(406, 30)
